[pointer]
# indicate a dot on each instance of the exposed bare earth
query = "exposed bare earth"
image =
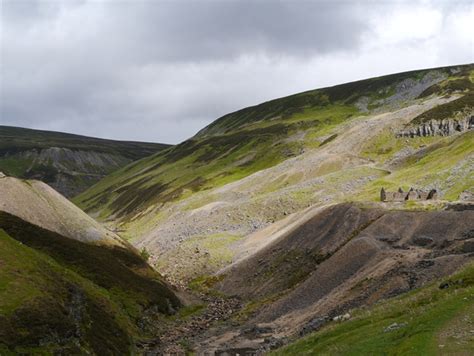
(345, 256)
(39, 204)
(329, 174)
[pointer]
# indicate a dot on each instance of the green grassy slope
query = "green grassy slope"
(52, 156)
(444, 164)
(437, 319)
(250, 140)
(202, 163)
(58, 295)
(375, 89)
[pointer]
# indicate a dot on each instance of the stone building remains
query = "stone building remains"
(412, 194)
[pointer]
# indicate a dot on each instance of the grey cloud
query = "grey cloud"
(161, 70)
(215, 30)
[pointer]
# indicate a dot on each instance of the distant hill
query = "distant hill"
(69, 163)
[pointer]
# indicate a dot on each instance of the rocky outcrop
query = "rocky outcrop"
(466, 196)
(444, 127)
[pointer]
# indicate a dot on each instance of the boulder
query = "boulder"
(468, 247)
(314, 324)
(422, 240)
(464, 196)
(394, 326)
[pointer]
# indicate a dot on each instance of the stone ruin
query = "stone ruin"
(412, 194)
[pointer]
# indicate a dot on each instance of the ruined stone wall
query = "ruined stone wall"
(445, 127)
(412, 194)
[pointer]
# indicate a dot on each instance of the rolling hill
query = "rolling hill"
(254, 167)
(84, 292)
(278, 205)
(69, 163)
(41, 205)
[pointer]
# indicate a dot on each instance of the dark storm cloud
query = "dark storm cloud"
(160, 70)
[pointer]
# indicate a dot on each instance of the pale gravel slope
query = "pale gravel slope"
(247, 206)
(39, 204)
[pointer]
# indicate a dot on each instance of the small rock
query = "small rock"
(342, 317)
(313, 325)
(394, 326)
(468, 246)
(422, 240)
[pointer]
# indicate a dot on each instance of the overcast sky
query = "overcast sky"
(161, 70)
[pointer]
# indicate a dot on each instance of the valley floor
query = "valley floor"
(360, 257)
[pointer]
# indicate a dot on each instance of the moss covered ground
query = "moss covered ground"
(200, 255)
(445, 165)
(61, 295)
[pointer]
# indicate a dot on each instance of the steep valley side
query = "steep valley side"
(338, 259)
(193, 205)
(59, 295)
(67, 284)
(271, 215)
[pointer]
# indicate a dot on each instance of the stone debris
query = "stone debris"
(313, 325)
(342, 317)
(422, 240)
(394, 326)
(170, 342)
(244, 351)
